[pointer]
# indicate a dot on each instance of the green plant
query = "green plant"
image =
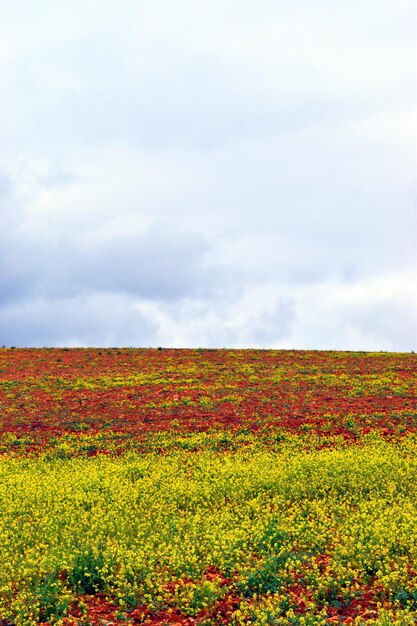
(86, 574)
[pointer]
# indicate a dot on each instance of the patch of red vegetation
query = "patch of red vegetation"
(97, 608)
(341, 608)
(47, 393)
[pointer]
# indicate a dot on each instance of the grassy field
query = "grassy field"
(207, 487)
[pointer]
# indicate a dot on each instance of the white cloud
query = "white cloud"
(377, 313)
(237, 175)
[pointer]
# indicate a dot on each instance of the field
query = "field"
(187, 487)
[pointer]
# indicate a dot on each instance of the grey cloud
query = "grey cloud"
(95, 320)
(160, 263)
(5, 189)
(270, 328)
(15, 283)
(391, 319)
(13, 278)
(233, 326)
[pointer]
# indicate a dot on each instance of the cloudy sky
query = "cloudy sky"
(215, 173)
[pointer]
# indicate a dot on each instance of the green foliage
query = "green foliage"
(86, 574)
(52, 603)
(266, 579)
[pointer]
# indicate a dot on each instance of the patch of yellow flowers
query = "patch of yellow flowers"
(131, 525)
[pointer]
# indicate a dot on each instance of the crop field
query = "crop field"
(161, 486)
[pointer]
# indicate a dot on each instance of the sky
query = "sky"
(210, 173)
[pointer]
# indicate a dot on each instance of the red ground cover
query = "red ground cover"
(47, 393)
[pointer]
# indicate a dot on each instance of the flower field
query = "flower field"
(144, 486)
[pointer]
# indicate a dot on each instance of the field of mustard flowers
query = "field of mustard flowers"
(143, 486)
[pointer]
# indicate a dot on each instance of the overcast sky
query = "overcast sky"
(208, 173)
